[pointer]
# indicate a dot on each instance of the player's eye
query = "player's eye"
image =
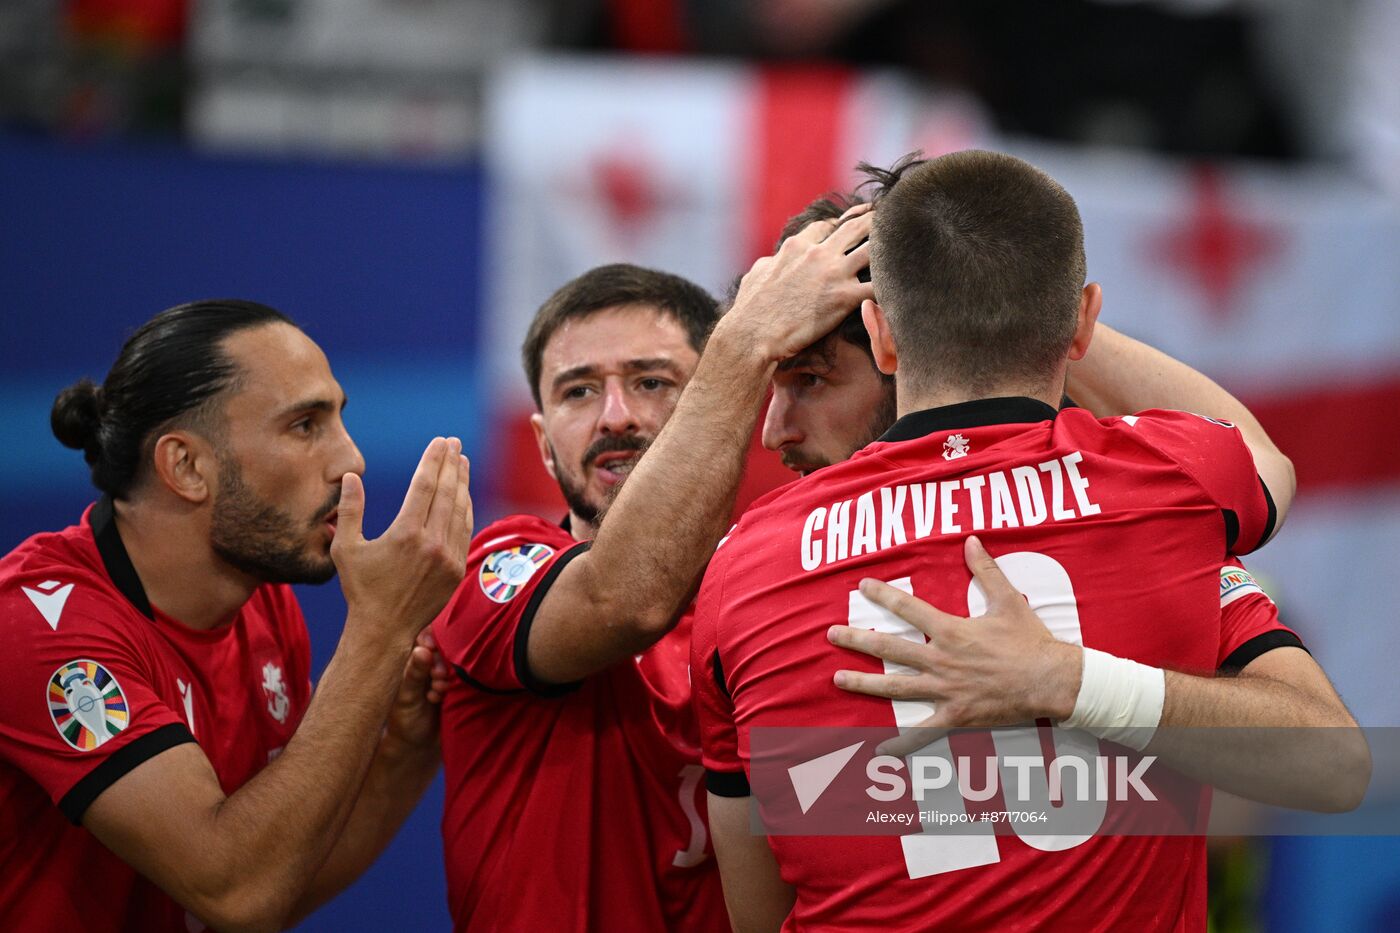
(303, 425)
(809, 380)
(652, 384)
(573, 393)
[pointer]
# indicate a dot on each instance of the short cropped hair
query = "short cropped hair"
(613, 286)
(978, 264)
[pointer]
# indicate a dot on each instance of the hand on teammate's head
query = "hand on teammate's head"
(793, 298)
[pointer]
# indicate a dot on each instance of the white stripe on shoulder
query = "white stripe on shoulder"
(495, 541)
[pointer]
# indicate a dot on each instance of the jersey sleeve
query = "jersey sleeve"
(714, 703)
(79, 708)
(484, 631)
(1214, 454)
(1249, 621)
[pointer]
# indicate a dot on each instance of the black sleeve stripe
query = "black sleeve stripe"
(1272, 518)
(527, 619)
(727, 783)
(1257, 646)
(719, 677)
(471, 681)
(1232, 530)
(119, 764)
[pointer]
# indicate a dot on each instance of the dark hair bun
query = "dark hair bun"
(77, 417)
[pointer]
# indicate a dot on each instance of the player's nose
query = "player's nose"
(347, 457)
(619, 415)
(779, 429)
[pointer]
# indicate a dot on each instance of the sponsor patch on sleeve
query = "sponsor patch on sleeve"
(87, 704)
(503, 573)
(1236, 582)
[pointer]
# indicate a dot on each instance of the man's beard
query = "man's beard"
(593, 513)
(797, 460)
(262, 540)
(884, 415)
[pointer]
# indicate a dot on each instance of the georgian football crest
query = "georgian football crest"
(503, 573)
(87, 704)
(278, 703)
(954, 447)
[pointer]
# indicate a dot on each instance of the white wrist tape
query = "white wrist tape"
(1119, 700)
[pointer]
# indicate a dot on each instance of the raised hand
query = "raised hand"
(402, 579)
(1000, 668)
(790, 300)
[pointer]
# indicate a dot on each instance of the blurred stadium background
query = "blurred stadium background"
(409, 178)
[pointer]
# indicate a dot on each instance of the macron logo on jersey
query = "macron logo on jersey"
(49, 599)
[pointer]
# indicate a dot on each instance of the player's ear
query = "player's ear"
(184, 463)
(546, 451)
(881, 344)
(1090, 303)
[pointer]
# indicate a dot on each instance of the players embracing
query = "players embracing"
(978, 264)
(570, 754)
(586, 790)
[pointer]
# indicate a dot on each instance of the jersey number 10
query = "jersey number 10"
(934, 850)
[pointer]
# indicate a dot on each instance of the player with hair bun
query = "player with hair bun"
(163, 762)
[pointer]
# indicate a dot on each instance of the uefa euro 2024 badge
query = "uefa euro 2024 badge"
(503, 573)
(87, 704)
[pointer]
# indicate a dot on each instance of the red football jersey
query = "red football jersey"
(574, 807)
(93, 682)
(1115, 531)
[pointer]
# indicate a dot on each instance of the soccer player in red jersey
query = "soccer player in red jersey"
(572, 758)
(980, 268)
(831, 400)
(163, 762)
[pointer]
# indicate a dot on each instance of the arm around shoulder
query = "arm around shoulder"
(1121, 376)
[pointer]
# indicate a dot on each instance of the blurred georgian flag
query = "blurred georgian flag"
(1282, 284)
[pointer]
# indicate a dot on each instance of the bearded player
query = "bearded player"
(163, 762)
(965, 280)
(574, 791)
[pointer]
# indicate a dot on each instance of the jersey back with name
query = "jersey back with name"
(1113, 530)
